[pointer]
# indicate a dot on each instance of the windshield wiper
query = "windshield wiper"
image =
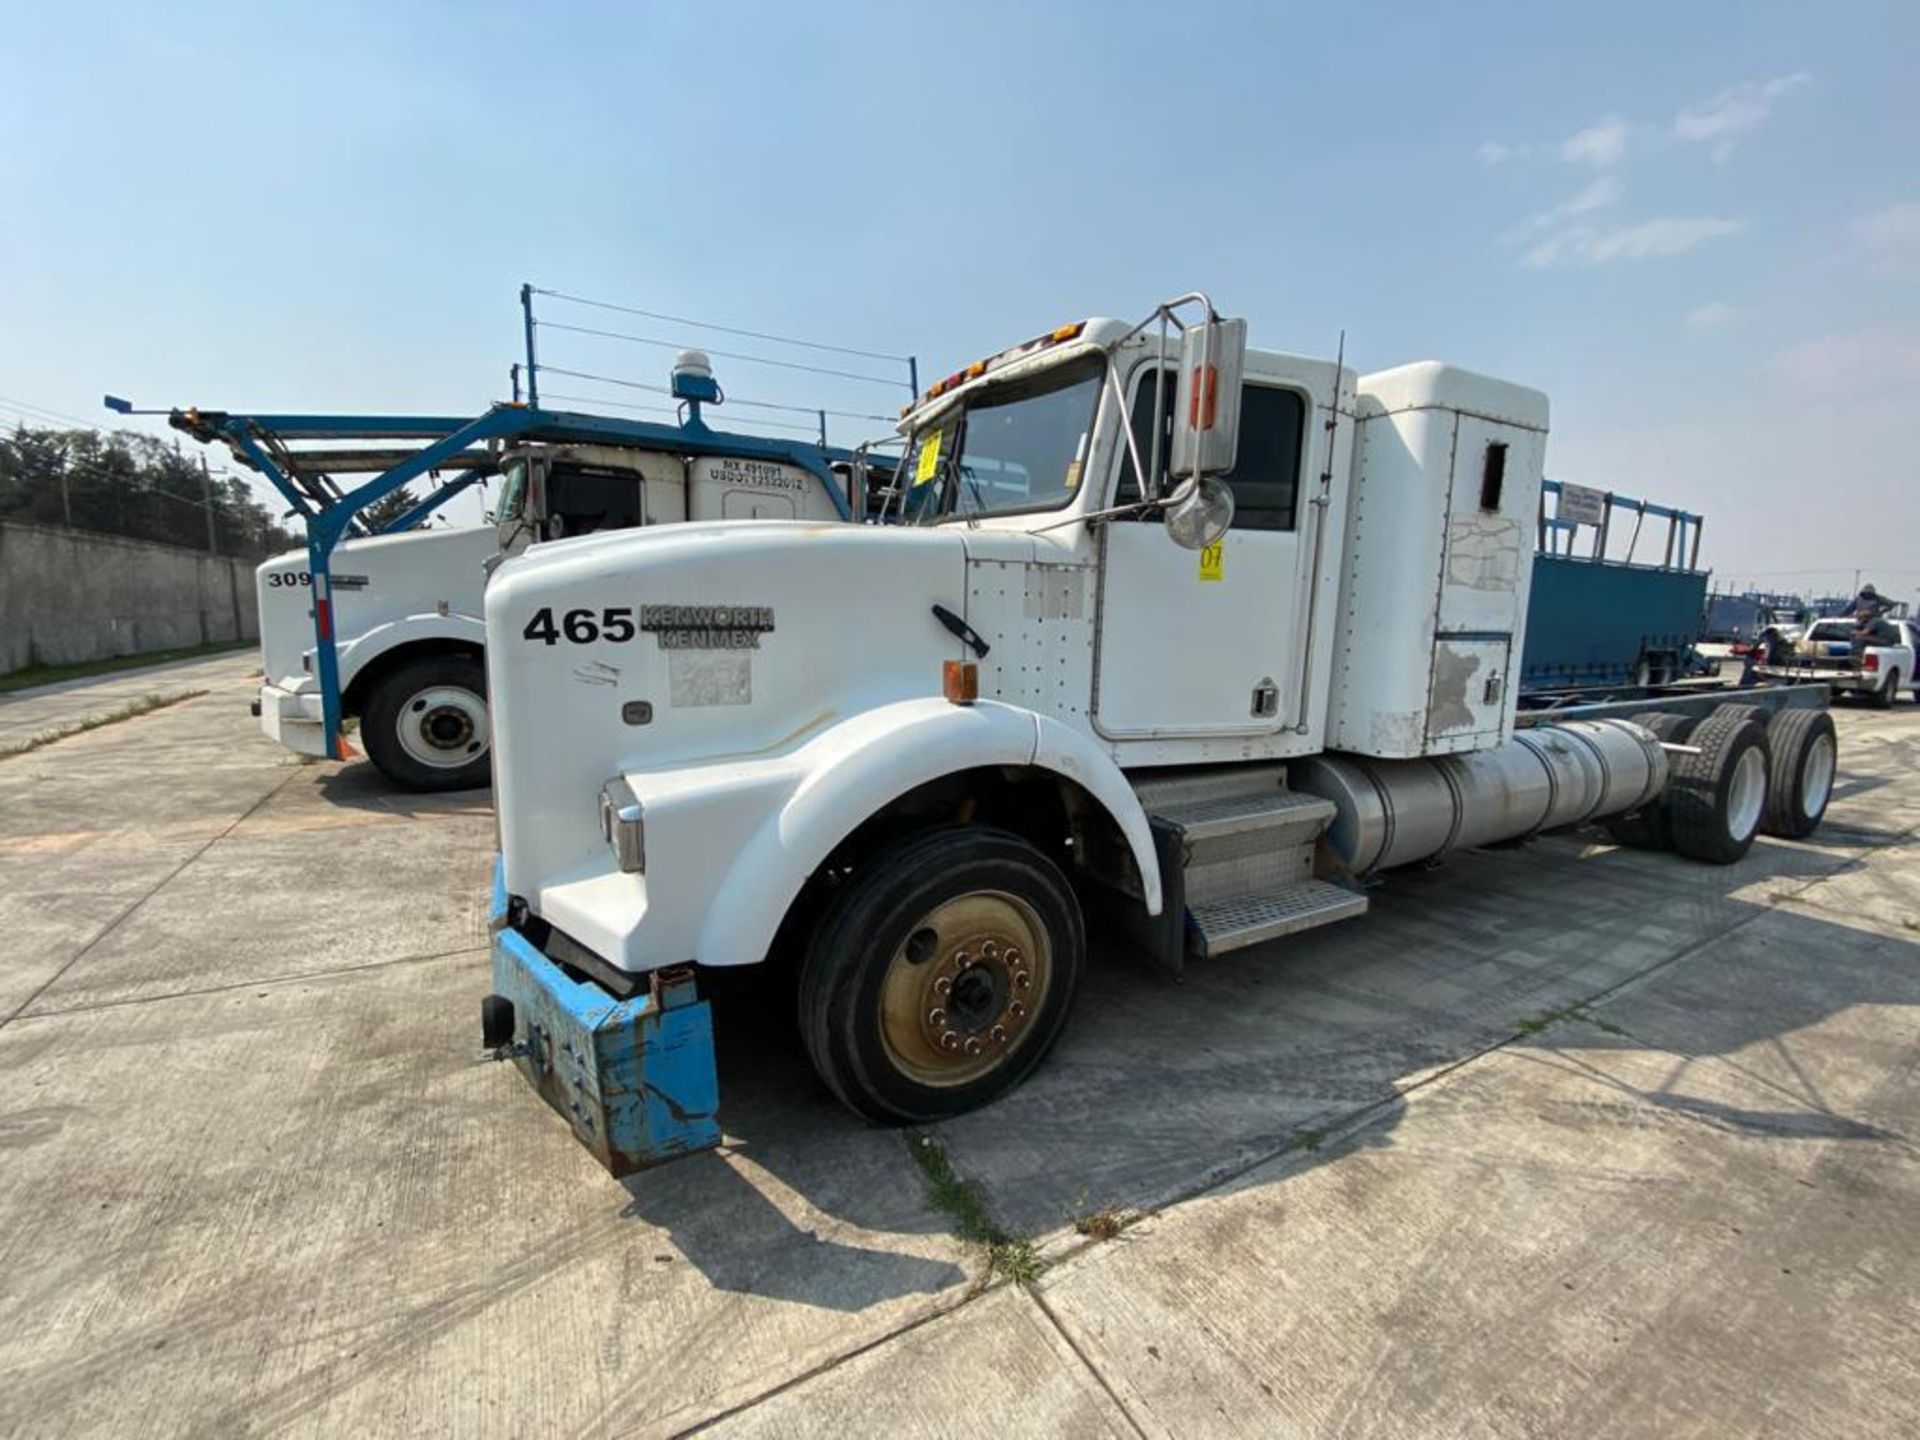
(965, 472)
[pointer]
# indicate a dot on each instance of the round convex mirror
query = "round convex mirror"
(1202, 517)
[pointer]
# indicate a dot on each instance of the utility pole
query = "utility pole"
(66, 497)
(206, 495)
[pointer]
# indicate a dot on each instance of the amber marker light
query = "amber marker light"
(960, 681)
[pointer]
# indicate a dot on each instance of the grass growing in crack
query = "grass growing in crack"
(1101, 1224)
(1008, 1256)
(93, 722)
(1097, 1224)
(1547, 1019)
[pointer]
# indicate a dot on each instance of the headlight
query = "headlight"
(623, 825)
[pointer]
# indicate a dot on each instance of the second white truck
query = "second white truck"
(405, 607)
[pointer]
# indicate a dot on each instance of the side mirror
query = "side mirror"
(1200, 513)
(1206, 399)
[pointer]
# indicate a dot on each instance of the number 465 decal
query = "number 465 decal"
(581, 627)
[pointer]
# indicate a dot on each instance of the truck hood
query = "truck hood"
(376, 579)
(696, 644)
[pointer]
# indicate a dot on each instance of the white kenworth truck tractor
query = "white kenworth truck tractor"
(1187, 636)
(407, 606)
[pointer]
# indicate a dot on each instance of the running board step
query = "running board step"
(1217, 926)
(1284, 815)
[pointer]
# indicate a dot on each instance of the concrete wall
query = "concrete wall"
(70, 596)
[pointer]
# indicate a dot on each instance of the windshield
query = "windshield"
(1013, 447)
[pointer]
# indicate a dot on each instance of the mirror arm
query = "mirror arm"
(1131, 507)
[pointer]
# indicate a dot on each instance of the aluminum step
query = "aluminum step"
(1287, 814)
(1170, 788)
(1217, 926)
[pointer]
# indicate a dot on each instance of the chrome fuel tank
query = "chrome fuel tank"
(1394, 812)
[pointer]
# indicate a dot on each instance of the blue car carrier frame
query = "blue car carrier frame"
(301, 454)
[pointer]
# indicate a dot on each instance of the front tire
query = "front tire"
(427, 727)
(939, 978)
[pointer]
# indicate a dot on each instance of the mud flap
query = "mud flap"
(634, 1078)
(1158, 940)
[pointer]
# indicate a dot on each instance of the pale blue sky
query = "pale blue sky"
(1697, 227)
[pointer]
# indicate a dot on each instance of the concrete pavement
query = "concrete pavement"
(1563, 1139)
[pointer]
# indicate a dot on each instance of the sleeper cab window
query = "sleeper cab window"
(1265, 478)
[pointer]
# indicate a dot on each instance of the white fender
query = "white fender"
(369, 645)
(858, 767)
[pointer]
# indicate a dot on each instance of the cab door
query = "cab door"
(1210, 643)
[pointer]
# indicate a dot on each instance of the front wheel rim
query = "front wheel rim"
(443, 727)
(962, 991)
(1747, 794)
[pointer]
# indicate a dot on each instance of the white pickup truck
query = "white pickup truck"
(1876, 665)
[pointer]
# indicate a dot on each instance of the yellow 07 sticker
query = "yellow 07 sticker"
(929, 458)
(1213, 561)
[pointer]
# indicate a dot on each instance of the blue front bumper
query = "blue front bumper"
(634, 1078)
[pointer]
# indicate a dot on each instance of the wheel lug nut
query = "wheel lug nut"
(942, 985)
(936, 1018)
(950, 1041)
(973, 1045)
(1017, 1010)
(1012, 956)
(1021, 979)
(989, 950)
(999, 1035)
(959, 957)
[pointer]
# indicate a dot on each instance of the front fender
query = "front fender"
(369, 645)
(857, 768)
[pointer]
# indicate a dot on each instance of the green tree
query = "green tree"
(389, 508)
(126, 484)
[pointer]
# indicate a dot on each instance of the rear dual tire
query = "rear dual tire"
(1717, 797)
(1800, 772)
(1708, 808)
